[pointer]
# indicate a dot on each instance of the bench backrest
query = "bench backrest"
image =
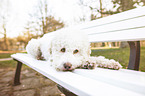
(125, 26)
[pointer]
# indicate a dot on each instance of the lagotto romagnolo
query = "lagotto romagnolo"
(67, 50)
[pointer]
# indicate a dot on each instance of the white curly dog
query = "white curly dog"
(67, 50)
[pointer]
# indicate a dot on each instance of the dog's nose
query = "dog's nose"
(67, 66)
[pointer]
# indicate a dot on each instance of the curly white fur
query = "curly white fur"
(102, 62)
(51, 44)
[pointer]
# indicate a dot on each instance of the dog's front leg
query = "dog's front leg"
(101, 62)
(106, 63)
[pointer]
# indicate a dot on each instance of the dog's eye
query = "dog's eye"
(62, 50)
(76, 51)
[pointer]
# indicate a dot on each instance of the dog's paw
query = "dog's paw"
(40, 58)
(110, 64)
(88, 65)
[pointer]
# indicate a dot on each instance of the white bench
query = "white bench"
(126, 26)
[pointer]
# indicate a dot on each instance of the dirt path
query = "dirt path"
(6, 59)
(32, 84)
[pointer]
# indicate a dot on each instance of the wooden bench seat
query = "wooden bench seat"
(126, 26)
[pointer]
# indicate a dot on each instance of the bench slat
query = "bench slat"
(126, 80)
(78, 84)
(123, 25)
(124, 35)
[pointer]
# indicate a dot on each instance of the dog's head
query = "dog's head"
(69, 50)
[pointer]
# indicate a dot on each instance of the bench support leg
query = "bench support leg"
(134, 58)
(17, 73)
(65, 91)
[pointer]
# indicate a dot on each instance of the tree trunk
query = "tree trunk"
(126, 5)
(5, 37)
(101, 10)
(5, 40)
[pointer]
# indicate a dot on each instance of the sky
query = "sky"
(68, 11)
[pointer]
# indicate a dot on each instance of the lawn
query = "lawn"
(5, 55)
(9, 63)
(120, 54)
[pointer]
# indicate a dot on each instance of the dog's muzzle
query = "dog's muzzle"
(67, 66)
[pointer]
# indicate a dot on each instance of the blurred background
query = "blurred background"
(21, 20)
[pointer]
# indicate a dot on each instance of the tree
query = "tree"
(4, 16)
(3, 32)
(51, 24)
(123, 5)
(27, 35)
(143, 1)
(43, 20)
(98, 8)
(127, 4)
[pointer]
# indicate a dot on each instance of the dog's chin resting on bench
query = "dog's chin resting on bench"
(67, 50)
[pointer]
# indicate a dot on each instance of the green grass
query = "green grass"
(121, 55)
(5, 55)
(9, 63)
